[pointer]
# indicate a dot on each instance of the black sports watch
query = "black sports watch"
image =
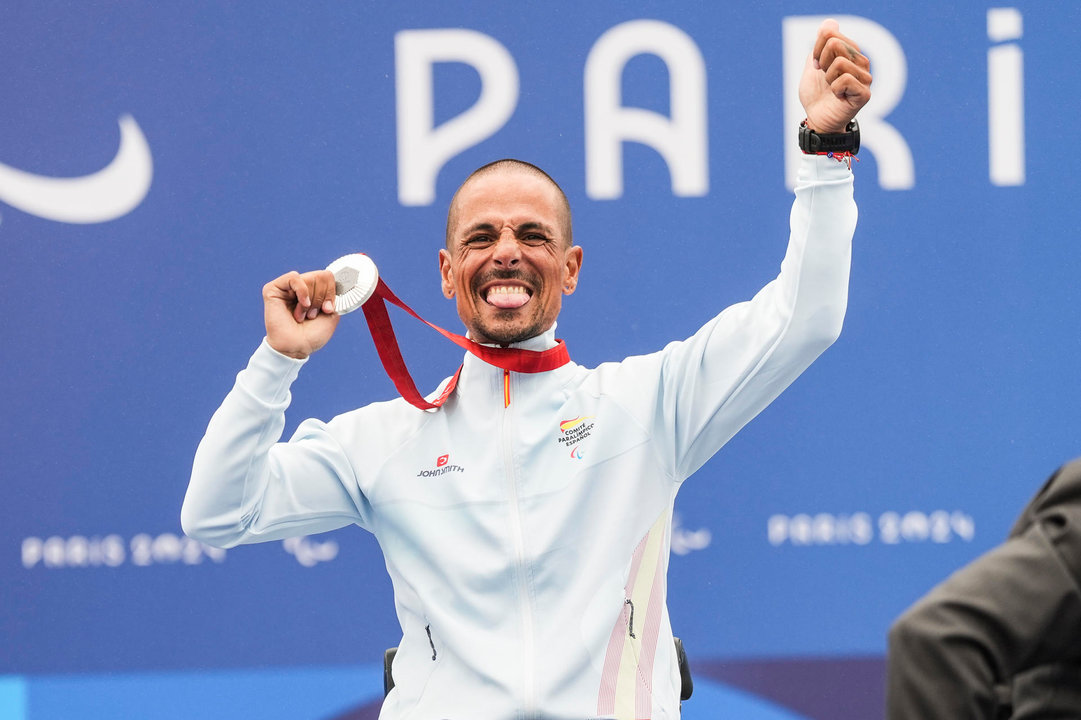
(820, 143)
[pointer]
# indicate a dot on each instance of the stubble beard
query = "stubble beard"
(501, 329)
(504, 332)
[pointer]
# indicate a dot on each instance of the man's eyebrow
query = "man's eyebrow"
(524, 227)
(488, 227)
(534, 226)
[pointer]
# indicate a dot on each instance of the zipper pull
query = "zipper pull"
(506, 388)
(428, 629)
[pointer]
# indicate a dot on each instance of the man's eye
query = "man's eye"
(534, 239)
(478, 240)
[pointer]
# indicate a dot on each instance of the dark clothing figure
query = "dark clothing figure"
(1001, 637)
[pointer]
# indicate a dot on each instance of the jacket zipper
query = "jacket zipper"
(525, 608)
(428, 629)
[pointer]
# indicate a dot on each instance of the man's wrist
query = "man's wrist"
(299, 357)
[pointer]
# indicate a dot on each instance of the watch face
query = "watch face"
(355, 278)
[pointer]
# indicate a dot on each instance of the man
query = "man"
(1001, 637)
(529, 581)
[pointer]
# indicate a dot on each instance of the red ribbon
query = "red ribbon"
(386, 344)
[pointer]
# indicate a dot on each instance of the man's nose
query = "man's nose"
(507, 251)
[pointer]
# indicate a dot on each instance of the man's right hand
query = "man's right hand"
(299, 312)
(836, 81)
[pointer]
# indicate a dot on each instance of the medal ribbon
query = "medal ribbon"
(386, 344)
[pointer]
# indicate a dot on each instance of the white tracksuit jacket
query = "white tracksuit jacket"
(528, 545)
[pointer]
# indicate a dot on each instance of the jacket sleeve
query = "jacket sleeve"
(247, 487)
(1012, 610)
(716, 381)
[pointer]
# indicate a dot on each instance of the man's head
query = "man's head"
(509, 257)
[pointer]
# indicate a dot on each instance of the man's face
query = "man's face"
(508, 263)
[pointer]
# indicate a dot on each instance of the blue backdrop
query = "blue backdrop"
(160, 162)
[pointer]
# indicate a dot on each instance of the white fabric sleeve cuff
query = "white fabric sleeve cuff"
(269, 374)
(820, 168)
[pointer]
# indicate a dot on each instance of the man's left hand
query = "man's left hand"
(836, 81)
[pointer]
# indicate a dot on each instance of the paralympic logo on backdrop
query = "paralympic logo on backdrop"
(107, 194)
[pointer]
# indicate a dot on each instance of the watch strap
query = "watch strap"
(814, 143)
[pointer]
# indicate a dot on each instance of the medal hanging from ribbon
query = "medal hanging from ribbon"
(358, 285)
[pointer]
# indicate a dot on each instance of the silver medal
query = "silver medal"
(355, 278)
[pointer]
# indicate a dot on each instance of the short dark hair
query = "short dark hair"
(519, 166)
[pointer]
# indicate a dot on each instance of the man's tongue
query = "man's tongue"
(507, 298)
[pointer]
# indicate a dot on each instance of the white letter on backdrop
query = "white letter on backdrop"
(890, 70)
(680, 139)
(422, 148)
(1006, 98)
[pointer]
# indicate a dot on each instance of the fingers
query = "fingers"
(299, 299)
(304, 295)
(322, 293)
(842, 66)
(839, 49)
(851, 90)
(829, 28)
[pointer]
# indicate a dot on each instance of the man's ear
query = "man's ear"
(572, 265)
(447, 273)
